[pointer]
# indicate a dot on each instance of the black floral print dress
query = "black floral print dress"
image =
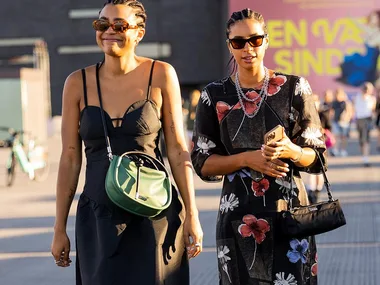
(250, 246)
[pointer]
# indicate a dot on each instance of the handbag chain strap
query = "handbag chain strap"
(326, 181)
(108, 144)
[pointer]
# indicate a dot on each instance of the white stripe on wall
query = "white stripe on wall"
(19, 42)
(83, 13)
(155, 50)
(78, 49)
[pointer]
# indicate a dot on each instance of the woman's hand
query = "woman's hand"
(283, 148)
(60, 249)
(256, 161)
(193, 235)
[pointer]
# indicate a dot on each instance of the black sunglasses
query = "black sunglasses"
(254, 41)
(119, 26)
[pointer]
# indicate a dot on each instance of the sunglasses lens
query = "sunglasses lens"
(238, 43)
(101, 26)
(120, 27)
(256, 41)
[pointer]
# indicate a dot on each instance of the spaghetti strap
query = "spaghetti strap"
(84, 87)
(150, 81)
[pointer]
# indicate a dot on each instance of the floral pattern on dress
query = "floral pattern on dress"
(250, 107)
(298, 250)
(256, 228)
(222, 109)
(287, 188)
(204, 145)
(281, 280)
(228, 203)
(205, 98)
(314, 267)
(259, 188)
(275, 83)
(243, 173)
(224, 259)
(303, 87)
(313, 136)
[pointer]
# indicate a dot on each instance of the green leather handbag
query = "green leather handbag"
(135, 181)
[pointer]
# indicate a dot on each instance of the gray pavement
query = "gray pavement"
(349, 255)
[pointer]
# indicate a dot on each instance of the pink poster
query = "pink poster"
(333, 43)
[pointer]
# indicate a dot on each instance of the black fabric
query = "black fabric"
(113, 246)
(84, 87)
(313, 219)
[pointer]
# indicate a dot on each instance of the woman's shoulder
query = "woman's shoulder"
(220, 86)
(288, 76)
(162, 70)
(77, 75)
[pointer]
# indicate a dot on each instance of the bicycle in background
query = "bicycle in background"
(32, 158)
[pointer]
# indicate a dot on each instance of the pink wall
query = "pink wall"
(311, 37)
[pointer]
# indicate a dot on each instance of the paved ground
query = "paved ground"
(349, 255)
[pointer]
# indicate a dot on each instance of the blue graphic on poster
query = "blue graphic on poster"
(359, 68)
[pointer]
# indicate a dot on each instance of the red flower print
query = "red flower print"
(314, 269)
(222, 109)
(259, 188)
(254, 227)
(251, 107)
(275, 83)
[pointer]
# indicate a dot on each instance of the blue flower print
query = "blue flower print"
(298, 251)
(242, 173)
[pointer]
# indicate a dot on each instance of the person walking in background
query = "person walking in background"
(326, 114)
(377, 116)
(364, 105)
(232, 118)
(316, 181)
(140, 98)
(342, 115)
(193, 102)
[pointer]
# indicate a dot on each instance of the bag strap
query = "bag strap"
(327, 182)
(149, 91)
(109, 150)
(291, 95)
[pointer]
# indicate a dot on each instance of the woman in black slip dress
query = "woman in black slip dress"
(139, 96)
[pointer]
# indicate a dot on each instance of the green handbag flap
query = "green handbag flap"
(154, 185)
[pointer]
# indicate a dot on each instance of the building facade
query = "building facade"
(187, 34)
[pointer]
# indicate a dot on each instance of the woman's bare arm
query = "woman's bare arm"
(178, 154)
(71, 156)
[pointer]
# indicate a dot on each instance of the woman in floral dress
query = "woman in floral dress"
(233, 115)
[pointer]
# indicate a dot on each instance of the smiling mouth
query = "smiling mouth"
(111, 40)
(248, 57)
